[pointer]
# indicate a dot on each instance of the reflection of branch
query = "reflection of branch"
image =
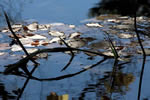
(12, 67)
(144, 54)
(68, 75)
(26, 82)
(72, 55)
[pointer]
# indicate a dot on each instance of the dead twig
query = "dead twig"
(72, 56)
(142, 48)
(17, 39)
(15, 66)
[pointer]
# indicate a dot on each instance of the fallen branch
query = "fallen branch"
(68, 75)
(17, 65)
(17, 39)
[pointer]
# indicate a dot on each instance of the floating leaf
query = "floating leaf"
(35, 43)
(75, 35)
(2, 53)
(126, 35)
(4, 46)
(44, 43)
(36, 37)
(33, 26)
(54, 40)
(93, 25)
(16, 48)
(56, 33)
(18, 35)
(72, 26)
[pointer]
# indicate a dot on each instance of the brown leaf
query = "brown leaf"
(45, 43)
(4, 46)
(35, 43)
(30, 34)
(18, 35)
(25, 28)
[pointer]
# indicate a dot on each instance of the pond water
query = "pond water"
(48, 11)
(89, 76)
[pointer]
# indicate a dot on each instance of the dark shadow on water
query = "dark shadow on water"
(122, 7)
(4, 94)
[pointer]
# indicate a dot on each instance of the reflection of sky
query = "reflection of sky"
(67, 11)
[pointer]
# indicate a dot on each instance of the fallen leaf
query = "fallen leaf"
(36, 37)
(30, 34)
(35, 43)
(2, 53)
(33, 26)
(56, 33)
(94, 25)
(16, 48)
(4, 46)
(18, 35)
(45, 43)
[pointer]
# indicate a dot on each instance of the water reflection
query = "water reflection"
(113, 85)
(123, 7)
(4, 94)
(47, 11)
(13, 10)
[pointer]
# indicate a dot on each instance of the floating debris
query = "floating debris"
(93, 25)
(147, 51)
(75, 35)
(15, 48)
(55, 40)
(42, 27)
(36, 37)
(33, 26)
(4, 46)
(127, 27)
(17, 26)
(126, 35)
(56, 33)
(72, 26)
(2, 53)
(76, 43)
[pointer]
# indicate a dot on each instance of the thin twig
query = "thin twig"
(142, 48)
(17, 39)
(72, 56)
(112, 47)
